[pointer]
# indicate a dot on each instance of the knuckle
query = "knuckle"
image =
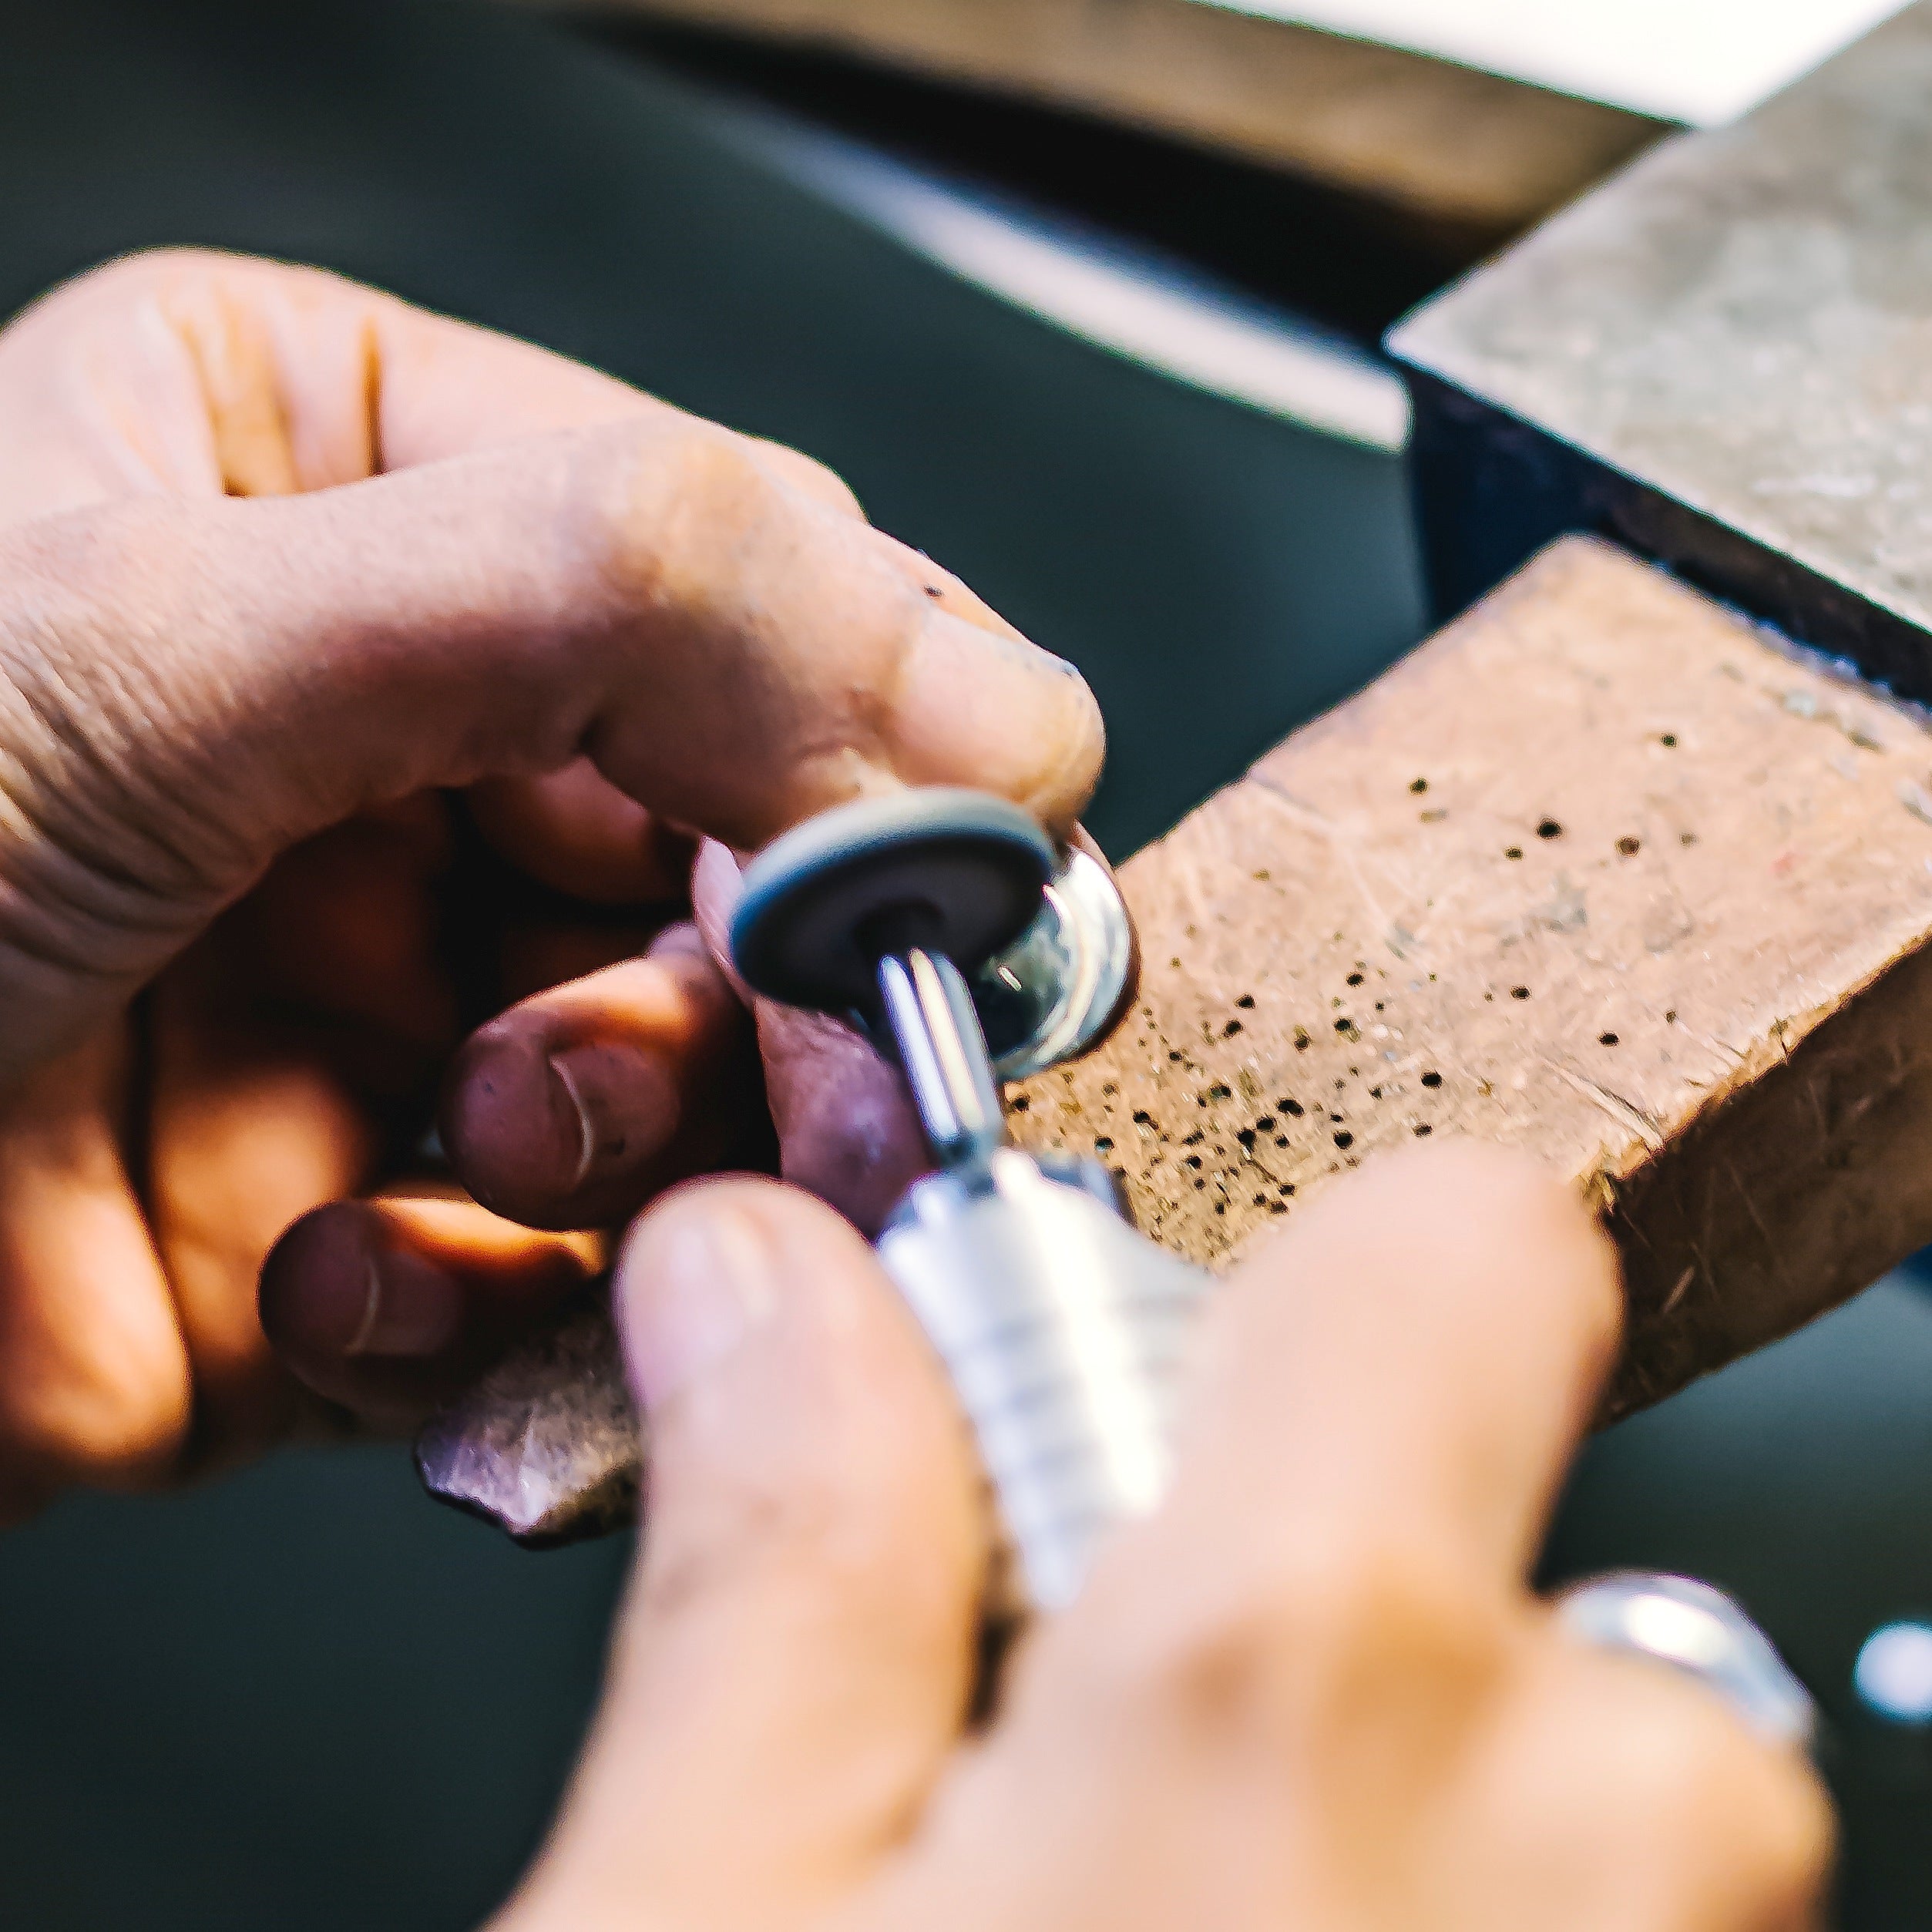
(1317, 1638)
(668, 511)
(707, 491)
(807, 474)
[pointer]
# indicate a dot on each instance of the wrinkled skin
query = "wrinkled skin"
(365, 683)
(355, 668)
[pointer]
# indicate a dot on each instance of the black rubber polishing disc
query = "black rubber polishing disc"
(961, 873)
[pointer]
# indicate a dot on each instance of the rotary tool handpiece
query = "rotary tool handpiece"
(1063, 1330)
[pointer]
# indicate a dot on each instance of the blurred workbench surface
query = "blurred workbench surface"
(1479, 154)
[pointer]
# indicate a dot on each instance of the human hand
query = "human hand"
(361, 675)
(1313, 1694)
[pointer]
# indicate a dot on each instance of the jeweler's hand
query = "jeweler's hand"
(1312, 1695)
(356, 668)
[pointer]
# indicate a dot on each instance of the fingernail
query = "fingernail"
(623, 1102)
(698, 1282)
(1066, 667)
(411, 1309)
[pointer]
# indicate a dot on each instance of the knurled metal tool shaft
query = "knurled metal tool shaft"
(1062, 1329)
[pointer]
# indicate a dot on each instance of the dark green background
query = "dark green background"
(305, 1697)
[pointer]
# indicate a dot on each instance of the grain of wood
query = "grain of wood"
(1448, 144)
(1601, 872)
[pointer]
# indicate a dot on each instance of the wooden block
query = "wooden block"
(1601, 872)
(1447, 144)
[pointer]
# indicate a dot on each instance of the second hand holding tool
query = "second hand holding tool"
(919, 917)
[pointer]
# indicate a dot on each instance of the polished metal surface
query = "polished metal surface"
(1720, 357)
(943, 1054)
(1694, 1629)
(1057, 993)
(1065, 1333)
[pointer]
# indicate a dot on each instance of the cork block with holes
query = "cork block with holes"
(1601, 872)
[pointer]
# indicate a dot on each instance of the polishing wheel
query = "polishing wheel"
(958, 873)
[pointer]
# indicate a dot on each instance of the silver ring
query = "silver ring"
(1700, 1633)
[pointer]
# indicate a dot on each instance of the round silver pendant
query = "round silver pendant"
(1057, 990)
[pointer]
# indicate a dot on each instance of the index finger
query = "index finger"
(1413, 1362)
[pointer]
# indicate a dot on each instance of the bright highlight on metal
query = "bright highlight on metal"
(1686, 1626)
(1056, 992)
(1893, 1673)
(944, 1056)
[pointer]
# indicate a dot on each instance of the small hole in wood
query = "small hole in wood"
(1103, 1143)
(1354, 978)
(1549, 829)
(1669, 740)
(1432, 1080)
(1514, 851)
(1424, 1129)
(1420, 785)
(1344, 1140)
(1246, 1003)
(1687, 839)
(1630, 848)
(1519, 992)
(1606, 1039)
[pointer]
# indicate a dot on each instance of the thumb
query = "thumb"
(187, 687)
(794, 1665)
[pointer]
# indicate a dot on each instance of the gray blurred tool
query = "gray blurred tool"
(1062, 1329)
